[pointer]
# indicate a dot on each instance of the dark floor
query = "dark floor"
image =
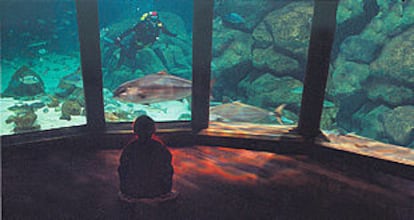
(214, 183)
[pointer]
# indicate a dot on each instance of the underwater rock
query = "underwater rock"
(54, 102)
(393, 18)
(24, 121)
(287, 30)
(347, 78)
(399, 124)
(367, 121)
(69, 108)
(348, 105)
(70, 85)
(280, 64)
(72, 80)
(348, 9)
(231, 59)
(396, 61)
(230, 47)
(24, 83)
(383, 90)
(152, 62)
(357, 49)
(174, 59)
(268, 91)
(360, 16)
(65, 117)
(119, 76)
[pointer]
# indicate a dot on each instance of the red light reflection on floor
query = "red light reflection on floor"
(234, 165)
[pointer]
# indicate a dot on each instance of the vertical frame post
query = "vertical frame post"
(90, 53)
(317, 69)
(202, 43)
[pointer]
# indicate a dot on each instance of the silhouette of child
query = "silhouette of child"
(145, 170)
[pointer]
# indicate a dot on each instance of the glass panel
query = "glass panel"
(259, 60)
(149, 44)
(371, 85)
(41, 81)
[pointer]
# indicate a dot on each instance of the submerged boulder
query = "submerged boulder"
(399, 124)
(368, 121)
(347, 78)
(270, 59)
(24, 83)
(69, 108)
(396, 60)
(355, 48)
(348, 9)
(287, 28)
(24, 120)
(382, 90)
(268, 91)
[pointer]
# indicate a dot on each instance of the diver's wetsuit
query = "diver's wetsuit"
(143, 34)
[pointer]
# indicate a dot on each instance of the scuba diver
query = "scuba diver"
(143, 34)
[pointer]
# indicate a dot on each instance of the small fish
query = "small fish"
(328, 104)
(297, 90)
(74, 78)
(37, 44)
(154, 88)
(29, 79)
(37, 105)
(240, 112)
(233, 18)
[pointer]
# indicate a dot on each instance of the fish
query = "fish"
(153, 88)
(74, 79)
(240, 112)
(29, 79)
(297, 90)
(234, 20)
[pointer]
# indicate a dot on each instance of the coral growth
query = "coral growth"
(69, 108)
(24, 119)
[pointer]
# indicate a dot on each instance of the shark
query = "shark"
(153, 88)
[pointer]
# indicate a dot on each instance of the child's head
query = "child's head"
(144, 126)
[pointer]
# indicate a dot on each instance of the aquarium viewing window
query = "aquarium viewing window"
(41, 78)
(259, 60)
(223, 54)
(371, 79)
(146, 55)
